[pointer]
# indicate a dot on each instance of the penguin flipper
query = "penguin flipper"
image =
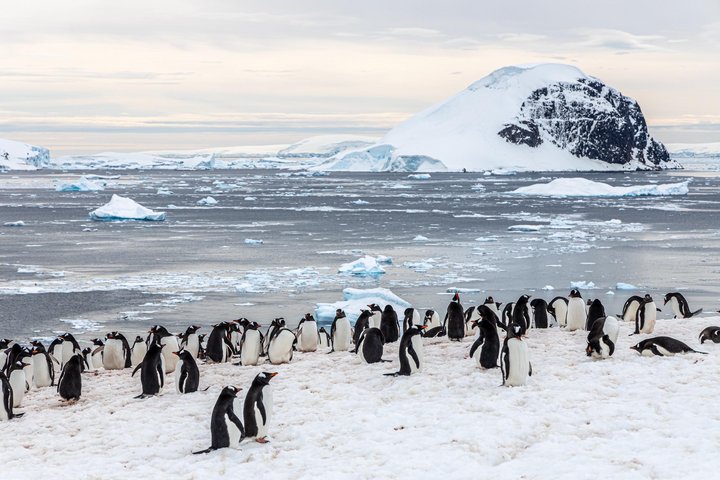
(530, 369)
(207, 450)
(699, 310)
(136, 369)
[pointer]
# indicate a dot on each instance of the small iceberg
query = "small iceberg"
(582, 187)
(18, 223)
(355, 299)
(582, 285)
(252, 241)
(419, 176)
(207, 201)
(82, 185)
(366, 266)
(625, 286)
(524, 228)
(420, 238)
(123, 208)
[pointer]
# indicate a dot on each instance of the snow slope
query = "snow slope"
(21, 156)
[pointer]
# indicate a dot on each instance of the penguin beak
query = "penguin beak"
(423, 327)
(272, 374)
(176, 353)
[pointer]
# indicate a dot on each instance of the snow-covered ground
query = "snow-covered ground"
(334, 417)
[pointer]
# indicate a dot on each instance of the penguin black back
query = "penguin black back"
(520, 314)
(188, 375)
(223, 419)
(410, 358)
(455, 319)
(362, 323)
(596, 311)
(389, 325)
(540, 312)
(254, 401)
(487, 338)
(6, 392)
(152, 373)
(70, 383)
(371, 345)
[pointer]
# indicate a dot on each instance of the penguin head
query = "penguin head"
(637, 348)
(322, 330)
(575, 293)
(388, 308)
(489, 301)
(648, 298)
(429, 314)
(263, 378)
(374, 307)
(230, 390)
(524, 298)
(339, 313)
(5, 343)
(139, 339)
(111, 335)
(98, 342)
(309, 318)
(87, 351)
(667, 298)
(456, 297)
(17, 365)
(193, 328)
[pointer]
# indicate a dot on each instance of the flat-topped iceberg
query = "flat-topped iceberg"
(82, 185)
(123, 208)
(582, 187)
(363, 267)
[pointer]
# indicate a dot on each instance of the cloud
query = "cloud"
(618, 39)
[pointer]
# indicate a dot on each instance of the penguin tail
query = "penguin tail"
(207, 450)
(206, 388)
(385, 361)
(704, 353)
(18, 415)
(695, 312)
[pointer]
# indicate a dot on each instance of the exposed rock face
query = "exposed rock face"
(588, 119)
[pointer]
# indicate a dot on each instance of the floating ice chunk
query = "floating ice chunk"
(582, 284)
(420, 238)
(18, 223)
(548, 287)
(252, 241)
(625, 286)
(82, 185)
(609, 292)
(362, 267)
(400, 186)
(384, 259)
(461, 290)
(360, 202)
(582, 187)
(419, 176)
(81, 325)
(422, 266)
(207, 201)
(524, 228)
(250, 199)
(164, 191)
(500, 172)
(123, 208)
(355, 299)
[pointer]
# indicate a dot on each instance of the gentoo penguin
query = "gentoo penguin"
(159, 334)
(646, 316)
(455, 319)
(493, 305)
(218, 348)
(361, 324)
(308, 334)
(251, 344)
(87, 362)
(514, 361)
(324, 340)
(558, 308)
(274, 325)
(152, 373)
(520, 314)
(257, 408)
(94, 360)
(411, 351)
(679, 305)
(506, 317)
(595, 311)
(5, 344)
(12, 355)
(280, 348)
(431, 320)
(412, 317)
(190, 342)
(116, 354)
(539, 310)
(576, 314)
(235, 331)
(138, 349)
(389, 325)
(340, 332)
(28, 367)
(602, 338)
(6, 412)
(55, 349)
(226, 429)
(710, 333)
(375, 315)
(662, 347)
(488, 339)
(630, 308)
(470, 318)
(44, 370)
(70, 382)
(201, 342)
(187, 375)
(70, 348)
(370, 345)
(18, 382)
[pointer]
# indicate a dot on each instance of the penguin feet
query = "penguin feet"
(262, 440)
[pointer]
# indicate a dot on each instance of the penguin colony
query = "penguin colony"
(162, 353)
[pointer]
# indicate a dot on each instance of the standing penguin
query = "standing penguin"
(455, 319)
(190, 342)
(94, 360)
(152, 373)
(540, 311)
(226, 429)
(257, 408)
(520, 314)
(680, 306)
(18, 382)
(595, 311)
(493, 305)
(361, 324)
(470, 317)
(138, 351)
(251, 345)
(187, 374)
(44, 370)
(630, 308)
(411, 351)
(69, 347)
(602, 337)
(340, 332)
(389, 325)
(411, 317)
(324, 340)
(308, 334)
(116, 354)
(646, 316)
(558, 308)
(159, 334)
(55, 349)
(488, 339)
(201, 342)
(70, 382)
(218, 348)
(514, 359)
(375, 315)
(576, 314)
(6, 395)
(274, 325)
(280, 349)
(370, 345)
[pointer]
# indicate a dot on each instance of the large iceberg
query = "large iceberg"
(363, 267)
(21, 156)
(123, 208)
(582, 187)
(82, 185)
(355, 299)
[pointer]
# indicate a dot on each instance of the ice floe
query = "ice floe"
(362, 267)
(123, 208)
(582, 187)
(207, 201)
(84, 184)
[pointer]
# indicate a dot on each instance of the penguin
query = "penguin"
(87, 362)
(201, 342)
(44, 370)
(251, 345)
(514, 359)
(602, 338)
(431, 320)
(18, 382)
(152, 373)
(488, 339)
(257, 408)
(159, 334)
(540, 311)
(218, 348)
(370, 345)
(12, 355)
(190, 342)
(6, 394)
(710, 333)
(630, 308)
(138, 350)
(595, 310)
(28, 368)
(361, 324)
(280, 349)
(470, 318)
(235, 331)
(5, 343)
(576, 314)
(69, 347)
(679, 305)
(226, 429)
(558, 308)
(646, 316)
(455, 319)
(324, 340)
(493, 305)
(94, 360)
(662, 347)
(70, 383)
(375, 315)
(116, 354)
(340, 332)
(187, 374)
(506, 318)
(411, 317)
(389, 325)
(55, 349)
(520, 314)
(411, 351)
(308, 334)
(274, 325)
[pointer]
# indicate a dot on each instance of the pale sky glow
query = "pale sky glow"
(85, 76)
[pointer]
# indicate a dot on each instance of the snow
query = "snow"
(575, 415)
(207, 201)
(84, 184)
(122, 208)
(325, 145)
(366, 266)
(136, 160)
(21, 156)
(355, 299)
(582, 187)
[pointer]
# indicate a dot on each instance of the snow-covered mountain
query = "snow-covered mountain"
(542, 117)
(21, 156)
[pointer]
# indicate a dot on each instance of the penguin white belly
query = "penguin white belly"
(3, 413)
(95, 360)
(17, 383)
(417, 345)
(361, 344)
(434, 321)
(308, 337)
(268, 403)
(138, 353)
(611, 328)
(576, 315)
(178, 374)
(561, 311)
(374, 320)
(343, 337)
(41, 372)
(235, 338)
(233, 433)
(519, 363)
(113, 358)
(29, 374)
(631, 312)
(280, 349)
(171, 345)
(250, 354)
(650, 317)
(676, 308)
(67, 352)
(193, 345)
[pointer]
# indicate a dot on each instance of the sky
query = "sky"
(87, 76)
